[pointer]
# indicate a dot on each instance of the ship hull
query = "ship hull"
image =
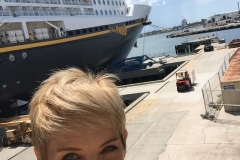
(96, 50)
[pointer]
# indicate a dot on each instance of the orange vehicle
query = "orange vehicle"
(184, 81)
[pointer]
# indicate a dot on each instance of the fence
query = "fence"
(213, 94)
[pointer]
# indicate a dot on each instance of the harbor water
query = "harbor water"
(158, 45)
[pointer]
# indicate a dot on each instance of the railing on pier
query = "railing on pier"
(213, 94)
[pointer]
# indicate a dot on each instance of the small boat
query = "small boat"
(234, 43)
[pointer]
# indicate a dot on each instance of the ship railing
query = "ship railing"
(40, 13)
(75, 13)
(35, 1)
(59, 13)
(89, 12)
(5, 13)
(77, 3)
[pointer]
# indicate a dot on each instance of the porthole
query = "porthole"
(18, 81)
(108, 2)
(110, 12)
(120, 3)
(24, 55)
(106, 12)
(99, 2)
(116, 3)
(96, 12)
(114, 12)
(12, 58)
(101, 12)
(103, 2)
(4, 85)
(94, 1)
(112, 3)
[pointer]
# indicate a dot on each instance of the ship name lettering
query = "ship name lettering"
(121, 30)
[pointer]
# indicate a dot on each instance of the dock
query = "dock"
(204, 30)
(164, 124)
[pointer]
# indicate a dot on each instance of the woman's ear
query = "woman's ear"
(37, 154)
(126, 133)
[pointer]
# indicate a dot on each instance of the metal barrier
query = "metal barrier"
(212, 92)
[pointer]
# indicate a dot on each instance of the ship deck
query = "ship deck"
(167, 124)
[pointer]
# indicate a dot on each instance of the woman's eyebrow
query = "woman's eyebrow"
(110, 140)
(69, 149)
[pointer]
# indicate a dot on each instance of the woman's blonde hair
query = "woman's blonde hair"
(71, 98)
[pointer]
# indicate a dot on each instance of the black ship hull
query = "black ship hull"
(20, 75)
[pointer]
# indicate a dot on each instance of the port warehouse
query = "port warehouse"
(230, 84)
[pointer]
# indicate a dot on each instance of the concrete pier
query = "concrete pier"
(165, 124)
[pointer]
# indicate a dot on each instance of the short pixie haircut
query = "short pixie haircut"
(71, 98)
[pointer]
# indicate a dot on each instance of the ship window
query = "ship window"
(4, 85)
(70, 33)
(94, 1)
(106, 27)
(130, 22)
(133, 22)
(106, 12)
(84, 31)
(96, 12)
(18, 81)
(112, 3)
(122, 12)
(96, 29)
(99, 2)
(12, 58)
(123, 3)
(118, 12)
(104, 2)
(110, 12)
(90, 30)
(114, 12)
(78, 32)
(126, 23)
(116, 3)
(108, 2)
(24, 55)
(101, 28)
(120, 3)
(101, 12)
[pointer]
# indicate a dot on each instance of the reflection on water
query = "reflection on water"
(159, 44)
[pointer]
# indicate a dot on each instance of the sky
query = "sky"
(169, 13)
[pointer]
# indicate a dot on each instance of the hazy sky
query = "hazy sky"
(168, 13)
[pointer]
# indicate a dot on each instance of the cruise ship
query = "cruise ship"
(39, 36)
